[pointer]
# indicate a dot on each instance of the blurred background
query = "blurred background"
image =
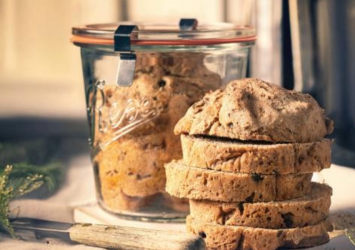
(307, 45)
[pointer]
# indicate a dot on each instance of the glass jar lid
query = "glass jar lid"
(149, 34)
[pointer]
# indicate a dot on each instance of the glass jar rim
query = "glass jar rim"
(165, 34)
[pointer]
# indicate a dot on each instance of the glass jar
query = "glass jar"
(139, 81)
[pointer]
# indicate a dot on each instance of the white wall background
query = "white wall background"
(40, 70)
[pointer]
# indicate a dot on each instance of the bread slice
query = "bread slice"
(242, 238)
(251, 109)
(203, 184)
(304, 211)
(242, 157)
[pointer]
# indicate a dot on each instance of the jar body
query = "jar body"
(132, 128)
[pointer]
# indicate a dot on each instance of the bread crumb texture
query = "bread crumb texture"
(202, 184)
(246, 157)
(307, 210)
(238, 237)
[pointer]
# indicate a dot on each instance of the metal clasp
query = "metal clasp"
(127, 64)
(188, 24)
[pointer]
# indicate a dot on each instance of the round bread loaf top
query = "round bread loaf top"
(251, 109)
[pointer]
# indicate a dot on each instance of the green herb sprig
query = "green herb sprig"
(21, 179)
(351, 235)
(9, 191)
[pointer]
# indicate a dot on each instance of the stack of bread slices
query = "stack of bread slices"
(249, 152)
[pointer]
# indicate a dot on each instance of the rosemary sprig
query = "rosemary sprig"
(21, 179)
(32, 166)
(5, 196)
(8, 191)
(351, 235)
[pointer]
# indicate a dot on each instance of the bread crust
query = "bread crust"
(243, 238)
(242, 157)
(304, 211)
(203, 184)
(249, 152)
(251, 109)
